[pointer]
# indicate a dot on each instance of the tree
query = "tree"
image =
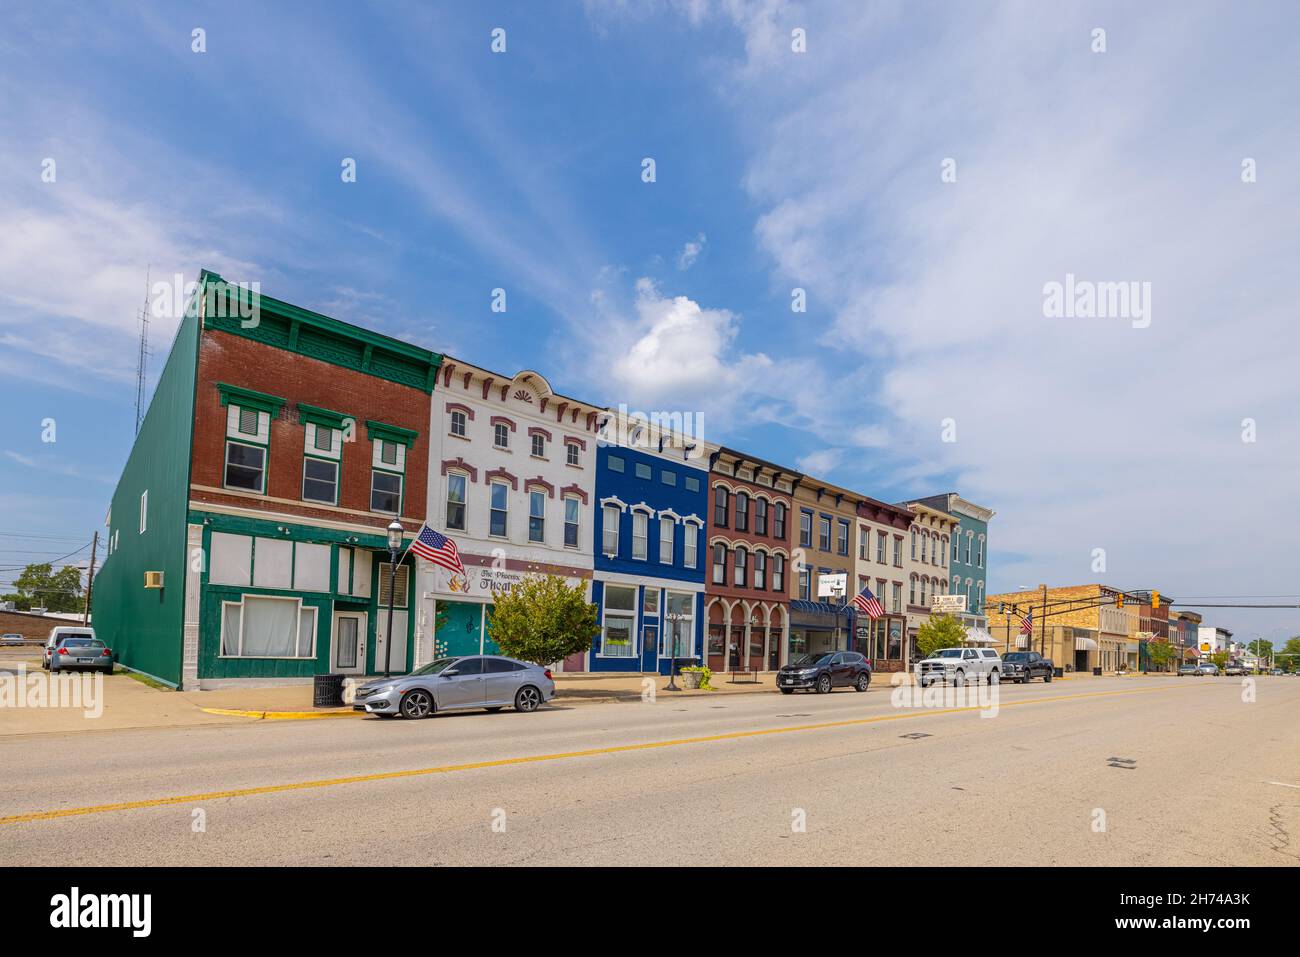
(40, 586)
(941, 631)
(1220, 659)
(1159, 653)
(1261, 647)
(542, 620)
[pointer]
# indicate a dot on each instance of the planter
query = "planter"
(690, 679)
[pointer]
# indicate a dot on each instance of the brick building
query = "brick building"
(278, 446)
(1084, 627)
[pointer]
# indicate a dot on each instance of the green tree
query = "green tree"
(1160, 653)
(542, 620)
(1220, 658)
(1261, 647)
(40, 586)
(941, 631)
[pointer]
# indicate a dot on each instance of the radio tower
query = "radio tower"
(143, 358)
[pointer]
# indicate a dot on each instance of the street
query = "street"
(1203, 778)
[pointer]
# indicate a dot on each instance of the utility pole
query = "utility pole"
(1042, 633)
(90, 579)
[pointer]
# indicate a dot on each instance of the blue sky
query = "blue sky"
(775, 170)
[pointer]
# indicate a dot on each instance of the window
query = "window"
(399, 578)
(571, 518)
(805, 528)
(742, 512)
(740, 566)
(805, 584)
(247, 421)
(925, 541)
(609, 530)
(864, 542)
(666, 540)
(778, 521)
(387, 451)
(499, 510)
(689, 535)
(824, 533)
(458, 423)
(643, 471)
(881, 539)
(640, 530)
(650, 602)
(539, 445)
(760, 569)
(842, 540)
(943, 545)
(571, 453)
(144, 510)
(913, 544)
(324, 438)
(898, 597)
(898, 553)
(266, 627)
(245, 467)
(501, 436)
(616, 464)
(778, 573)
(537, 516)
(980, 557)
(320, 480)
(385, 491)
(720, 506)
(668, 478)
(691, 483)
(456, 501)
(679, 633)
(956, 544)
(911, 593)
(970, 538)
(719, 563)
(760, 516)
(618, 634)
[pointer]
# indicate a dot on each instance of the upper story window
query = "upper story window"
(643, 471)
(760, 570)
(719, 563)
(760, 516)
(898, 552)
(943, 545)
(778, 573)
(609, 530)
(805, 528)
(913, 543)
(499, 510)
(805, 584)
(458, 423)
(572, 518)
(247, 441)
(742, 512)
(691, 483)
(824, 533)
(616, 463)
(536, 516)
(456, 501)
(881, 538)
(842, 539)
(721, 502)
(970, 540)
(667, 477)
(501, 436)
(388, 466)
(666, 526)
(778, 521)
(980, 557)
(571, 453)
(539, 445)
(690, 535)
(925, 541)
(740, 565)
(640, 535)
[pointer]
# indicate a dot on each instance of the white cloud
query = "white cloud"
(691, 252)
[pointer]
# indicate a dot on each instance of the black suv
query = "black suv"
(1022, 666)
(824, 671)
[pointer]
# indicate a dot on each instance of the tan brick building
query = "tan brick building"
(1084, 628)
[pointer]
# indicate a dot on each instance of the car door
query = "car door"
(464, 689)
(836, 668)
(501, 680)
(971, 663)
(1034, 666)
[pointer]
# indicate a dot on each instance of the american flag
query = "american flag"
(1027, 623)
(868, 604)
(438, 549)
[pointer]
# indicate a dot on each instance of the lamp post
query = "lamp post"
(395, 532)
(673, 618)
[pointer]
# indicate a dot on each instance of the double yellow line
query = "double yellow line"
(534, 759)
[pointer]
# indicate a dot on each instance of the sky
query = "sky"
(918, 174)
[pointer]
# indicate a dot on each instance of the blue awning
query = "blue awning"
(820, 607)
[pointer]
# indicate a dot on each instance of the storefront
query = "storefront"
(646, 624)
(881, 641)
(817, 626)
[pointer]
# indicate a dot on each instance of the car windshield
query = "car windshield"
(79, 642)
(1016, 656)
(807, 661)
(434, 667)
(949, 653)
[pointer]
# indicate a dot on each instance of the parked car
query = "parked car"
(1188, 669)
(824, 671)
(1207, 668)
(1022, 666)
(959, 665)
(1277, 671)
(1235, 668)
(12, 639)
(76, 653)
(451, 684)
(59, 633)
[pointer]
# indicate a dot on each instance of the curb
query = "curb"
(284, 715)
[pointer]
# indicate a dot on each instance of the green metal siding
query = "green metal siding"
(145, 627)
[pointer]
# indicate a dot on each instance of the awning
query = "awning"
(1022, 641)
(979, 636)
(1084, 644)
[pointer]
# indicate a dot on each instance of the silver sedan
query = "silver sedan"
(449, 684)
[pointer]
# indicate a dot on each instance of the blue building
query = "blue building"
(969, 553)
(648, 581)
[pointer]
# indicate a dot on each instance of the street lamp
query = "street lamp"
(673, 618)
(395, 532)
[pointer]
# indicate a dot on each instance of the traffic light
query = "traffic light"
(1119, 600)
(1155, 599)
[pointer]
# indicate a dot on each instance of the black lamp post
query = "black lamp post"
(395, 532)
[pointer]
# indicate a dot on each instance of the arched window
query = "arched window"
(742, 512)
(740, 561)
(719, 563)
(719, 506)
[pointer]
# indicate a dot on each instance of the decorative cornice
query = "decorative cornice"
(614, 500)
(540, 482)
(580, 443)
(575, 490)
(460, 407)
(461, 465)
(501, 473)
(502, 420)
(248, 398)
(538, 430)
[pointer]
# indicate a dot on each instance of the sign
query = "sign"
(479, 581)
(829, 586)
(948, 603)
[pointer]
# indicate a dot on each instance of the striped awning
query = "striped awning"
(1084, 644)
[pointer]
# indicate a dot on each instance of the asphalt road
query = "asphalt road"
(1213, 780)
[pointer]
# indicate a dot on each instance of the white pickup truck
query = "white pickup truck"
(960, 665)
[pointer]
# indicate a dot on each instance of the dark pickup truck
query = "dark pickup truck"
(1022, 666)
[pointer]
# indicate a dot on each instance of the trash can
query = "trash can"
(1097, 672)
(327, 691)
(1058, 672)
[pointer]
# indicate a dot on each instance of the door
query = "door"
(840, 670)
(650, 648)
(348, 654)
(394, 658)
(501, 680)
(463, 689)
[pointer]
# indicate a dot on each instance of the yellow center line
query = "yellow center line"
(533, 759)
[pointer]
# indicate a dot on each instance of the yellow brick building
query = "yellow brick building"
(1083, 629)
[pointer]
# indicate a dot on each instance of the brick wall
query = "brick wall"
(31, 626)
(251, 365)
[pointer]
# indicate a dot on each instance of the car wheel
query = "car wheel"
(787, 691)
(108, 670)
(863, 681)
(993, 677)
(416, 704)
(824, 684)
(958, 678)
(1047, 678)
(528, 699)
(494, 709)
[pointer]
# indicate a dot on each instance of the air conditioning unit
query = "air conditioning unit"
(153, 579)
